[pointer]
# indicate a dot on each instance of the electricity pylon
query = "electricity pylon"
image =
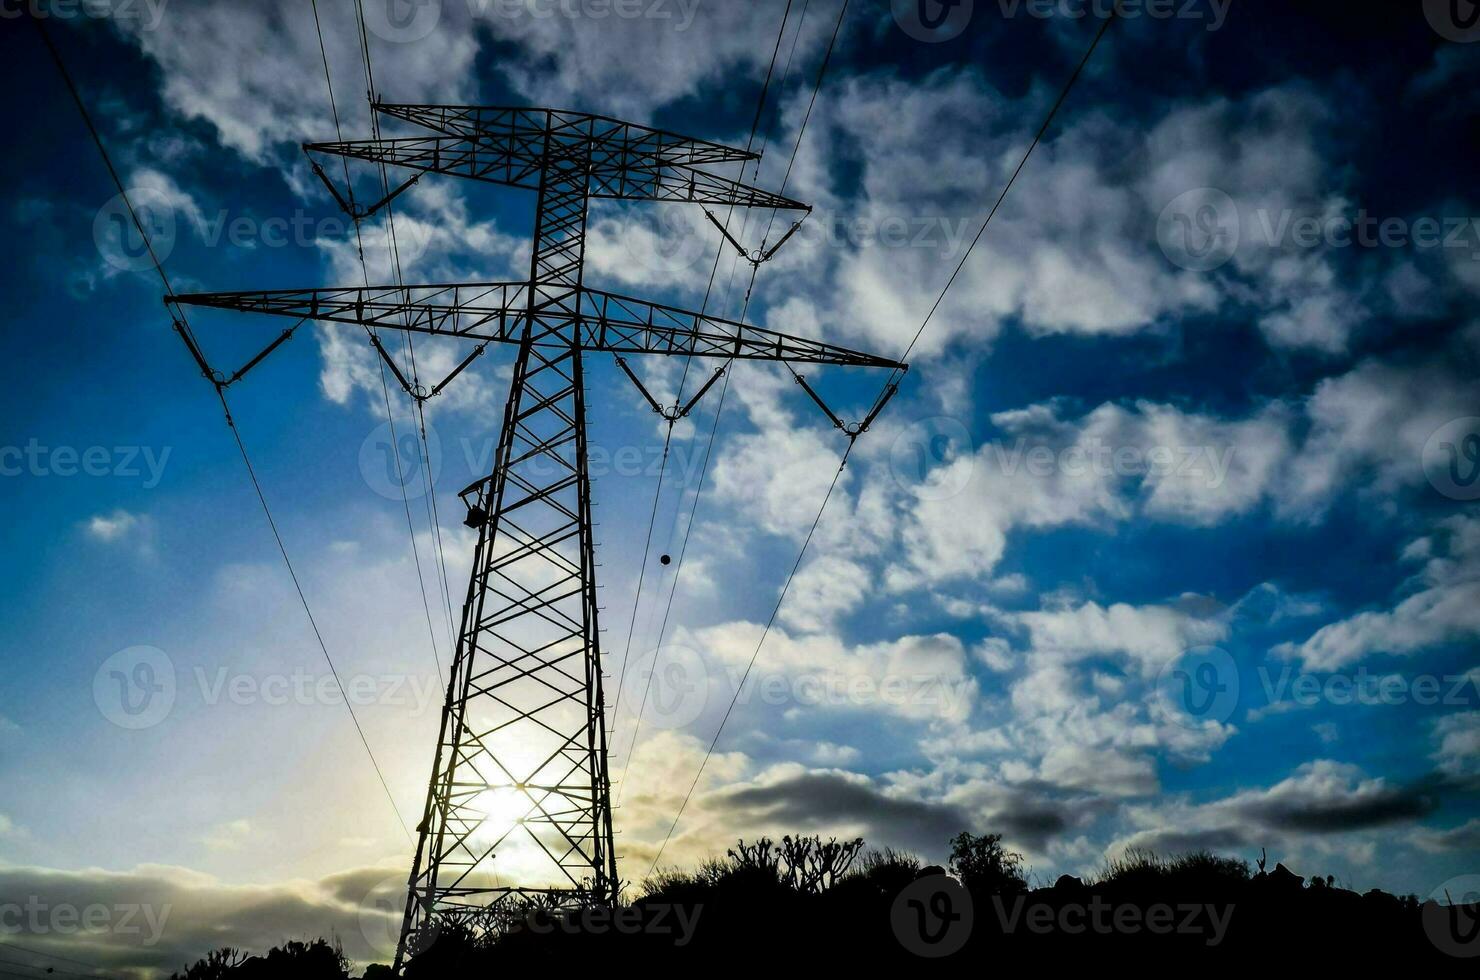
(521, 762)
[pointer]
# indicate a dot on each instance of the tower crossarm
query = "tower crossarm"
(611, 136)
(497, 311)
(619, 169)
(623, 325)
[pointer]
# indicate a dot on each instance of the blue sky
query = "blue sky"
(1192, 392)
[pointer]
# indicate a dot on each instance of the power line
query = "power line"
(50, 956)
(745, 307)
(408, 340)
(380, 363)
(688, 361)
(1048, 120)
(1037, 138)
(49, 971)
(183, 326)
(765, 632)
(807, 117)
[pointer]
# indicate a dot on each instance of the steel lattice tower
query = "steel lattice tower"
(521, 761)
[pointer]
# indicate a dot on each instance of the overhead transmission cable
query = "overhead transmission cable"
(407, 337)
(53, 956)
(688, 361)
(182, 326)
(1048, 120)
(380, 362)
(724, 390)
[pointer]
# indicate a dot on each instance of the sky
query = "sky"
(1169, 539)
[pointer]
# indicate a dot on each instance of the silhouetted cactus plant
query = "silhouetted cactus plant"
(763, 856)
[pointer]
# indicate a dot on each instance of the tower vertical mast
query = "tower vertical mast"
(528, 670)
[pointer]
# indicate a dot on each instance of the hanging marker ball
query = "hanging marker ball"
(666, 560)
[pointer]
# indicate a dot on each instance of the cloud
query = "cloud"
(605, 63)
(1458, 754)
(1444, 609)
(1149, 636)
(1117, 462)
(116, 526)
(1465, 837)
(1074, 248)
(244, 68)
(230, 836)
(161, 917)
(920, 678)
(1362, 432)
(1324, 807)
(823, 590)
(1369, 427)
(1330, 797)
(837, 802)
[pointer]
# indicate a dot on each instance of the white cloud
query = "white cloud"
(823, 590)
(1445, 609)
(230, 836)
(1149, 636)
(1369, 426)
(116, 526)
(922, 678)
(246, 69)
(1458, 753)
(1116, 462)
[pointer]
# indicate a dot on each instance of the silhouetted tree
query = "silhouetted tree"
(984, 865)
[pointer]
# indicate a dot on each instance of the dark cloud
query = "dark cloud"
(814, 802)
(144, 924)
(1339, 814)
(1465, 837)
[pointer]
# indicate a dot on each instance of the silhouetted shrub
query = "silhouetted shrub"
(985, 866)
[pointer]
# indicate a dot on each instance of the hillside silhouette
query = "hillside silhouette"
(806, 900)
